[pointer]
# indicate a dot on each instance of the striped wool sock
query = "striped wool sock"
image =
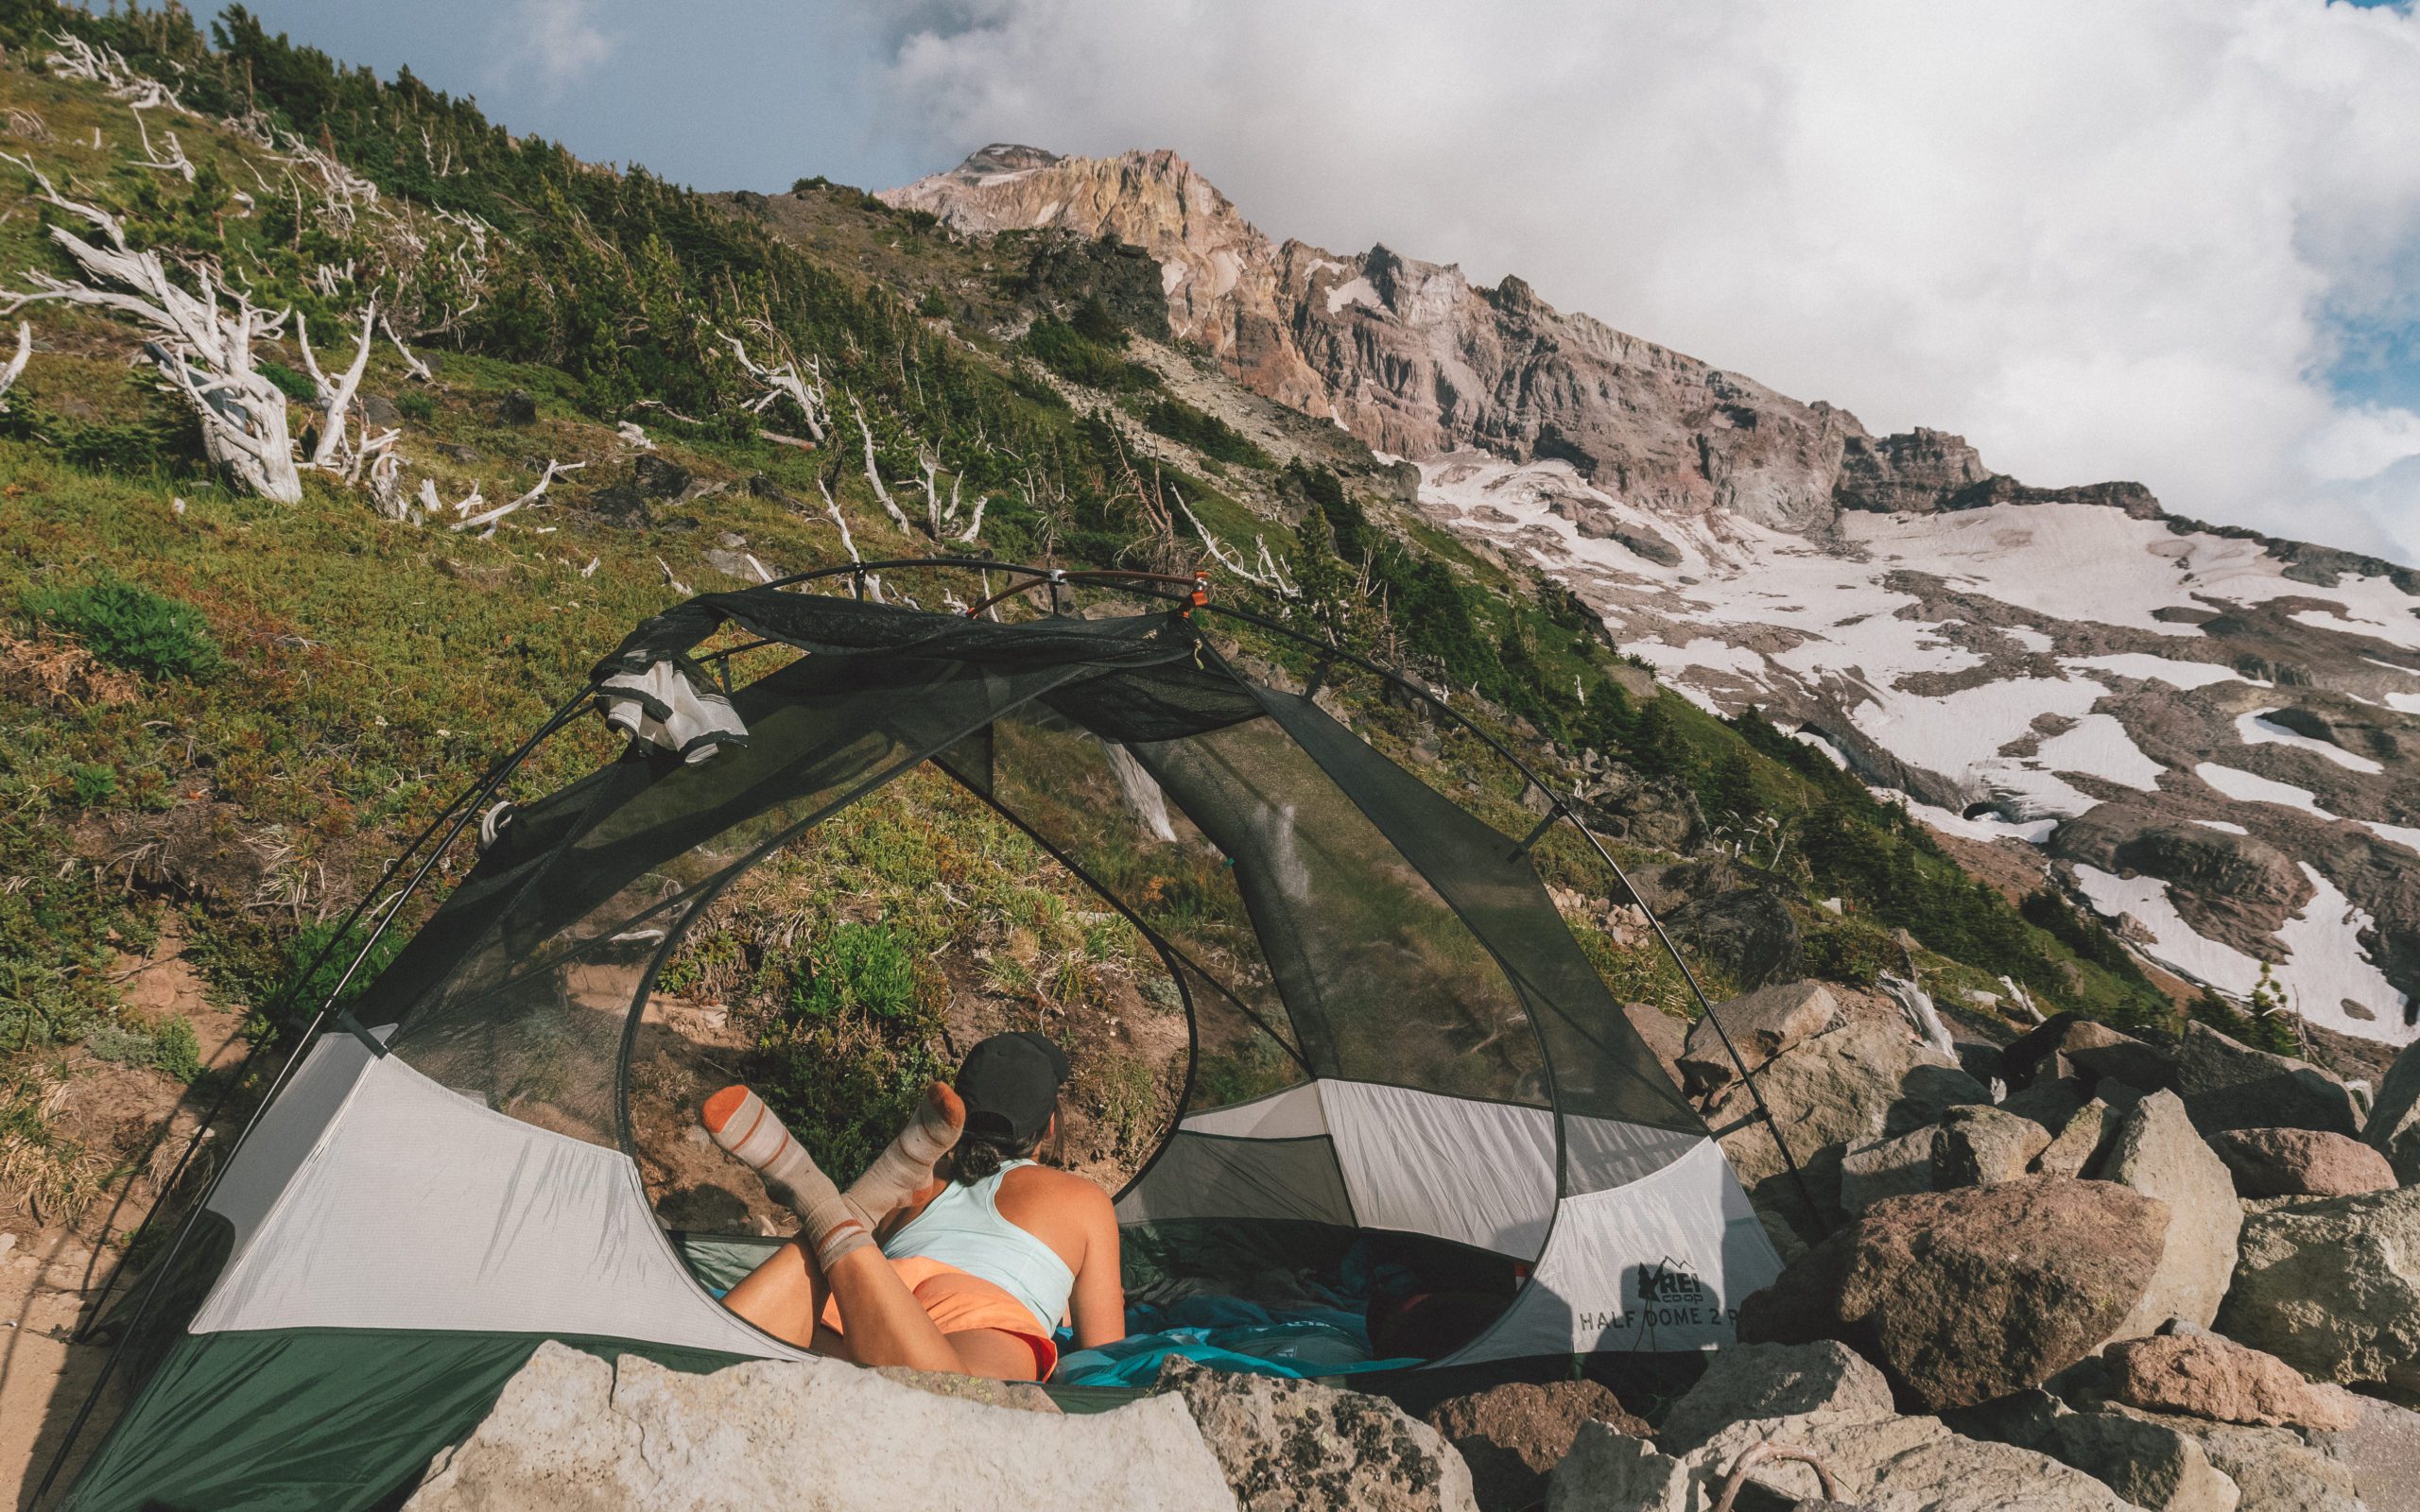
(741, 1123)
(904, 1167)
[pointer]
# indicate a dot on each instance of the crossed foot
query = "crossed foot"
(837, 1220)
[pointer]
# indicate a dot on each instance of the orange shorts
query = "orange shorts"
(959, 1300)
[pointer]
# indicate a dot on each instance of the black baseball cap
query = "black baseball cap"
(1011, 1085)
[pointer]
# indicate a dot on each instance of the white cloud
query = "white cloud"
(2101, 240)
(559, 39)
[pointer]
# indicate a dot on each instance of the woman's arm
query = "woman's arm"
(1097, 1306)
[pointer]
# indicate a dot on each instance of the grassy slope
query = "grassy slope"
(373, 667)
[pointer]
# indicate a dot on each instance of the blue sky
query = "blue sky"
(2170, 240)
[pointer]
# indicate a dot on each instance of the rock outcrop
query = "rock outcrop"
(1935, 1289)
(1867, 1078)
(573, 1433)
(1294, 1446)
(2206, 1375)
(2227, 1084)
(2393, 1128)
(2158, 1154)
(1513, 1435)
(1755, 1027)
(2300, 1163)
(2333, 1288)
(1416, 360)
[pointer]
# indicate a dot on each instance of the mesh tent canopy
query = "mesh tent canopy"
(1392, 1032)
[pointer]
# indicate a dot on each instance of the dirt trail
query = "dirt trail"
(49, 1272)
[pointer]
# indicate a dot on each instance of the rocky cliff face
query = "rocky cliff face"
(1415, 360)
(2204, 732)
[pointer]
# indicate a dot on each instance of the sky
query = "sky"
(2176, 241)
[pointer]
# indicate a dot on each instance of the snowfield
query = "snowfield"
(1994, 651)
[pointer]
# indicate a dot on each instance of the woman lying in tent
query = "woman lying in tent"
(980, 1251)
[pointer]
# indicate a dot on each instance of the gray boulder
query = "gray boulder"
(2158, 1153)
(1288, 1445)
(2393, 1129)
(1866, 1079)
(2332, 1288)
(2227, 1084)
(2150, 1465)
(1895, 1167)
(2300, 1163)
(2079, 1142)
(1806, 1387)
(1980, 1145)
(573, 1433)
(1607, 1471)
(1758, 1026)
(2379, 1452)
(2275, 1471)
(1962, 1297)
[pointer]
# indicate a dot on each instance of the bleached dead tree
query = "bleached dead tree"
(873, 473)
(412, 364)
(386, 485)
(72, 57)
(1264, 572)
(15, 367)
(848, 541)
(175, 161)
(782, 379)
(204, 351)
(335, 395)
(942, 520)
(488, 519)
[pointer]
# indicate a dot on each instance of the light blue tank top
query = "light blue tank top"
(963, 1227)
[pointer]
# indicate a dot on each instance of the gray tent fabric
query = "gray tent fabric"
(1393, 1036)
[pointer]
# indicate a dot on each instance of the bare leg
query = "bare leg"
(783, 1296)
(885, 1323)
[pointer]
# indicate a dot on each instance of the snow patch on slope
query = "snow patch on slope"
(2326, 968)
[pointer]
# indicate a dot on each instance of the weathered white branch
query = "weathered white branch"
(411, 364)
(175, 161)
(1264, 573)
(873, 475)
(204, 352)
(784, 380)
(848, 542)
(74, 58)
(334, 396)
(15, 367)
(554, 471)
(387, 484)
(676, 584)
(632, 436)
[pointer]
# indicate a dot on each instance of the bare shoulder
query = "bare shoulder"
(1062, 1190)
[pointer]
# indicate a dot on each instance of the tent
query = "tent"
(1393, 1034)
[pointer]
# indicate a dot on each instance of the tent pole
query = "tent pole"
(1797, 1177)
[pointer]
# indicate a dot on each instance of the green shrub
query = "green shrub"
(177, 1051)
(300, 989)
(295, 385)
(1851, 952)
(129, 627)
(92, 785)
(1205, 433)
(932, 306)
(852, 1049)
(416, 404)
(1078, 358)
(170, 1048)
